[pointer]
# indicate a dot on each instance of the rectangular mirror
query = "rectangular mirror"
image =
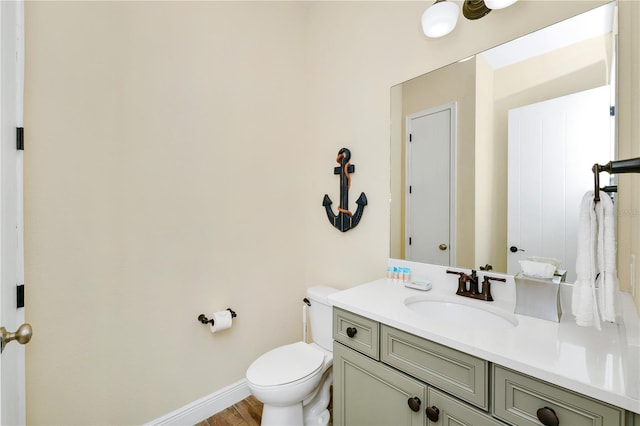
(490, 156)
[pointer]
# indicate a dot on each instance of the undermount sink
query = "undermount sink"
(457, 313)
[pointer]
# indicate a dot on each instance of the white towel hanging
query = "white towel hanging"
(596, 287)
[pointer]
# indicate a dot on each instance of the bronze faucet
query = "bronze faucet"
(468, 285)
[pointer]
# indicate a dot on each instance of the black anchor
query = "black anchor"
(344, 220)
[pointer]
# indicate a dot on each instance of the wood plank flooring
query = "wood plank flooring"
(247, 412)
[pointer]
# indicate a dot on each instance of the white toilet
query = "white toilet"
(293, 381)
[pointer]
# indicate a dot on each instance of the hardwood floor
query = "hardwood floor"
(247, 412)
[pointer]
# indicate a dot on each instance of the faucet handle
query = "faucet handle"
(487, 278)
(462, 281)
(486, 287)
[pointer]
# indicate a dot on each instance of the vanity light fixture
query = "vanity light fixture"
(498, 4)
(441, 17)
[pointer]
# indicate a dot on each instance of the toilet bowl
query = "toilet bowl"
(293, 381)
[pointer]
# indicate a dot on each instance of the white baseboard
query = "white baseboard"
(205, 407)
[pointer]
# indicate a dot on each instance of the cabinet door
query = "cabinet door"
(450, 411)
(366, 392)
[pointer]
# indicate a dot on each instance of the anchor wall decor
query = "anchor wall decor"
(344, 220)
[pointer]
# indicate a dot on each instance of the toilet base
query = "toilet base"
(316, 411)
(312, 411)
(290, 415)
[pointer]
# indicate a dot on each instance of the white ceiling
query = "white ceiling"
(582, 27)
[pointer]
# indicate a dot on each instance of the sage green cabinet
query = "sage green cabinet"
(455, 372)
(518, 398)
(382, 374)
(368, 393)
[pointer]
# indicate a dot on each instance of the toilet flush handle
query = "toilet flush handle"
(351, 331)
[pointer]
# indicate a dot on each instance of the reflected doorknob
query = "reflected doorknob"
(22, 335)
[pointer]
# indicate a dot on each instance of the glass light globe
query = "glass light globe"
(440, 19)
(499, 4)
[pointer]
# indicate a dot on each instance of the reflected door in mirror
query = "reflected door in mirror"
(429, 219)
(552, 146)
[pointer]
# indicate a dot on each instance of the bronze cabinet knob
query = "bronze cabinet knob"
(547, 416)
(414, 403)
(433, 413)
(443, 247)
(351, 331)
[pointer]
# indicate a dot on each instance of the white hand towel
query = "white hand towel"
(595, 291)
(607, 282)
(583, 303)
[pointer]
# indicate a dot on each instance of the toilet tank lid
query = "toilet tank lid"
(320, 293)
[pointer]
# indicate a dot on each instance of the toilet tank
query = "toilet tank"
(321, 315)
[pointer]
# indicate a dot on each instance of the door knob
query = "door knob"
(22, 335)
(514, 249)
(442, 246)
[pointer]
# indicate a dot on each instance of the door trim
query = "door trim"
(12, 368)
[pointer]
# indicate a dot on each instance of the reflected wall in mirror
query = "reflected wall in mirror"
(488, 100)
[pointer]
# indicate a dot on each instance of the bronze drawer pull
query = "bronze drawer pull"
(547, 416)
(351, 331)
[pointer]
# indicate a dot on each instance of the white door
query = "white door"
(430, 155)
(552, 147)
(12, 359)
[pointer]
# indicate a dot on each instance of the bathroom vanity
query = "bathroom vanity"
(396, 365)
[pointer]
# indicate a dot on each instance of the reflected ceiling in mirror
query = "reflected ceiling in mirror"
(471, 100)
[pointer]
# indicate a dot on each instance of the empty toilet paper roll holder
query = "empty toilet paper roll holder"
(203, 319)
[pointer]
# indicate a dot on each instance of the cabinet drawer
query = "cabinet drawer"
(357, 332)
(367, 392)
(455, 372)
(517, 398)
(453, 412)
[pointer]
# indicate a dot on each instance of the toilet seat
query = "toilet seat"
(285, 364)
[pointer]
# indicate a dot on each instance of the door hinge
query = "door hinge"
(20, 296)
(612, 111)
(410, 189)
(410, 137)
(409, 240)
(20, 138)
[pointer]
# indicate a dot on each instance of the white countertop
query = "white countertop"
(601, 364)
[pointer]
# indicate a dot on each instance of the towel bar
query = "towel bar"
(631, 165)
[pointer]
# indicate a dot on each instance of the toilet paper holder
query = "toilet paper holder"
(203, 319)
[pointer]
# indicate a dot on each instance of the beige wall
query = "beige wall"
(163, 180)
(488, 168)
(177, 155)
(629, 145)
